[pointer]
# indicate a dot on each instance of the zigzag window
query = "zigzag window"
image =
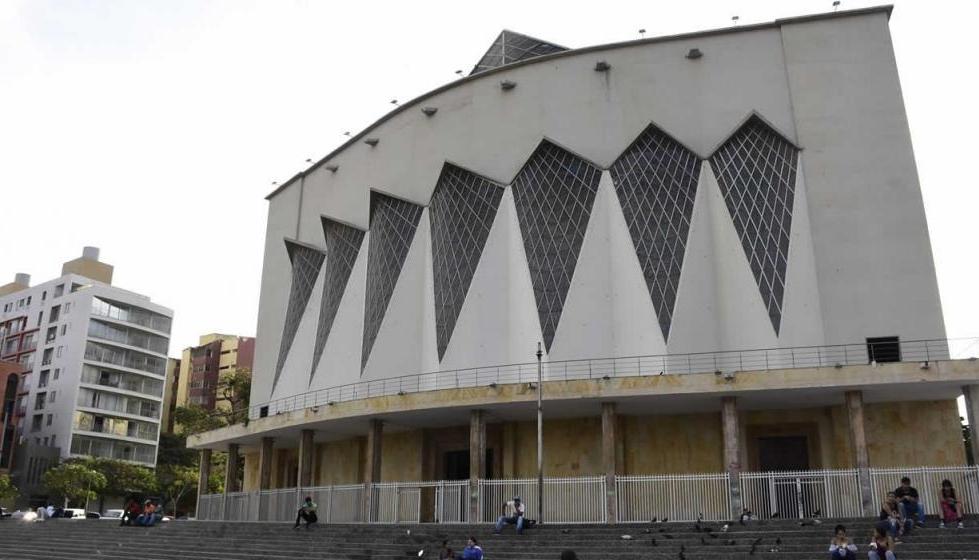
(306, 263)
(756, 171)
(392, 227)
(553, 194)
(462, 212)
(656, 182)
(342, 245)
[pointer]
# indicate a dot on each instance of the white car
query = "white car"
(111, 514)
(74, 513)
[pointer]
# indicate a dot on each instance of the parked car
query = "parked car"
(4, 513)
(112, 514)
(74, 513)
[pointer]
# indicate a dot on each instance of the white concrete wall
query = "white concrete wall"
(860, 262)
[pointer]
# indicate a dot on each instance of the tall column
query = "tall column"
(732, 450)
(203, 475)
(372, 464)
(230, 476)
(307, 453)
(971, 394)
(858, 444)
(265, 453)
(609, 440)
(477, 460)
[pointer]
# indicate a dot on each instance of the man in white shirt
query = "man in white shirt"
(512, 515)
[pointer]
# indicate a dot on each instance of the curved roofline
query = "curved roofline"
(886, 8)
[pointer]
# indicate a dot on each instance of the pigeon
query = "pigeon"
(817, 513)
(665, 520)
(421, 553)
(778, 541)
(626, 537)
(653, 520)
(775, 515)
(653, 542)
(726, 527)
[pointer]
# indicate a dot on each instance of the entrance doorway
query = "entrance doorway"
(783, 453)
(457, 464)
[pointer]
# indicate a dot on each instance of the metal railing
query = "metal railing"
(678, 497)
(802, 494)
(633, 366)
(928, 482)
(566, 500)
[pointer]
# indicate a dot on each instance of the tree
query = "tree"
(195, 419)
(234, 389)
(173, 451)
(175, 483)
(7, 490)
(74, 481)
(122, 478)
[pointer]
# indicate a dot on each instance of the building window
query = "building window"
(40, 400)
(884, 349)
(59, 290)
(45, 442)
(44, 295)
(64, 329)
(54, 395)
(50, 419)
(55, 314)
(40, 317)
(57, 372)
(42, 381)
(52, 334)
(67, 308)
(36, 422)
(60, 349)
(28, 300)
(46, 357)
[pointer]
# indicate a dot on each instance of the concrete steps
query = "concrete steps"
(204, 540)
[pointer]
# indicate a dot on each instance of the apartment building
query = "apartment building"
(93, 358)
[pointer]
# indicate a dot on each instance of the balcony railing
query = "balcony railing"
(723, 362)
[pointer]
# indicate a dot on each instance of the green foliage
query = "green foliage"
(196, 419)
(7, 490)
(234, 389)
(173, 451)
(74, 481)
(175, 482)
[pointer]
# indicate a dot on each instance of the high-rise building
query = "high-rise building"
(94, 358)
(203, 366)
(11, 373)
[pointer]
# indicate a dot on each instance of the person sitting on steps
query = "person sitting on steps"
(513, 512)
(841, 547)
(881, 545)
(951, 506)
(307, 512)
(472, 550)
(911, 507)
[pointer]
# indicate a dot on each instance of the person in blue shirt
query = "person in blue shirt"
(472, 550)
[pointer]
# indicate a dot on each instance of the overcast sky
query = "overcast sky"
(155, 129)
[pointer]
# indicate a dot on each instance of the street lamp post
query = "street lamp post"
(540, 438)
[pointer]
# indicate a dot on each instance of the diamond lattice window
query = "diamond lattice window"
(462, 212)
(342, 245)
(512, 47)
(656, 182)
(306, 263)
(392, 227)
(756, 171)
(553, 194)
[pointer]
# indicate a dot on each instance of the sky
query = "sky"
(153, 130)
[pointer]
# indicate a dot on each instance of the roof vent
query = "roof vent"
(694, 54)
(332, 167)
(507, 85)
(371, 142)
(602, 66)
(429, 111)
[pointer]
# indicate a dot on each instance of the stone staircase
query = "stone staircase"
(204, 540)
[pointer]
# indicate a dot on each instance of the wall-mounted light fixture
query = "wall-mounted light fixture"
(602, 66)
(507, 85)
(429, 111)
(332, 168)
(371, 142)
(694, 54)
